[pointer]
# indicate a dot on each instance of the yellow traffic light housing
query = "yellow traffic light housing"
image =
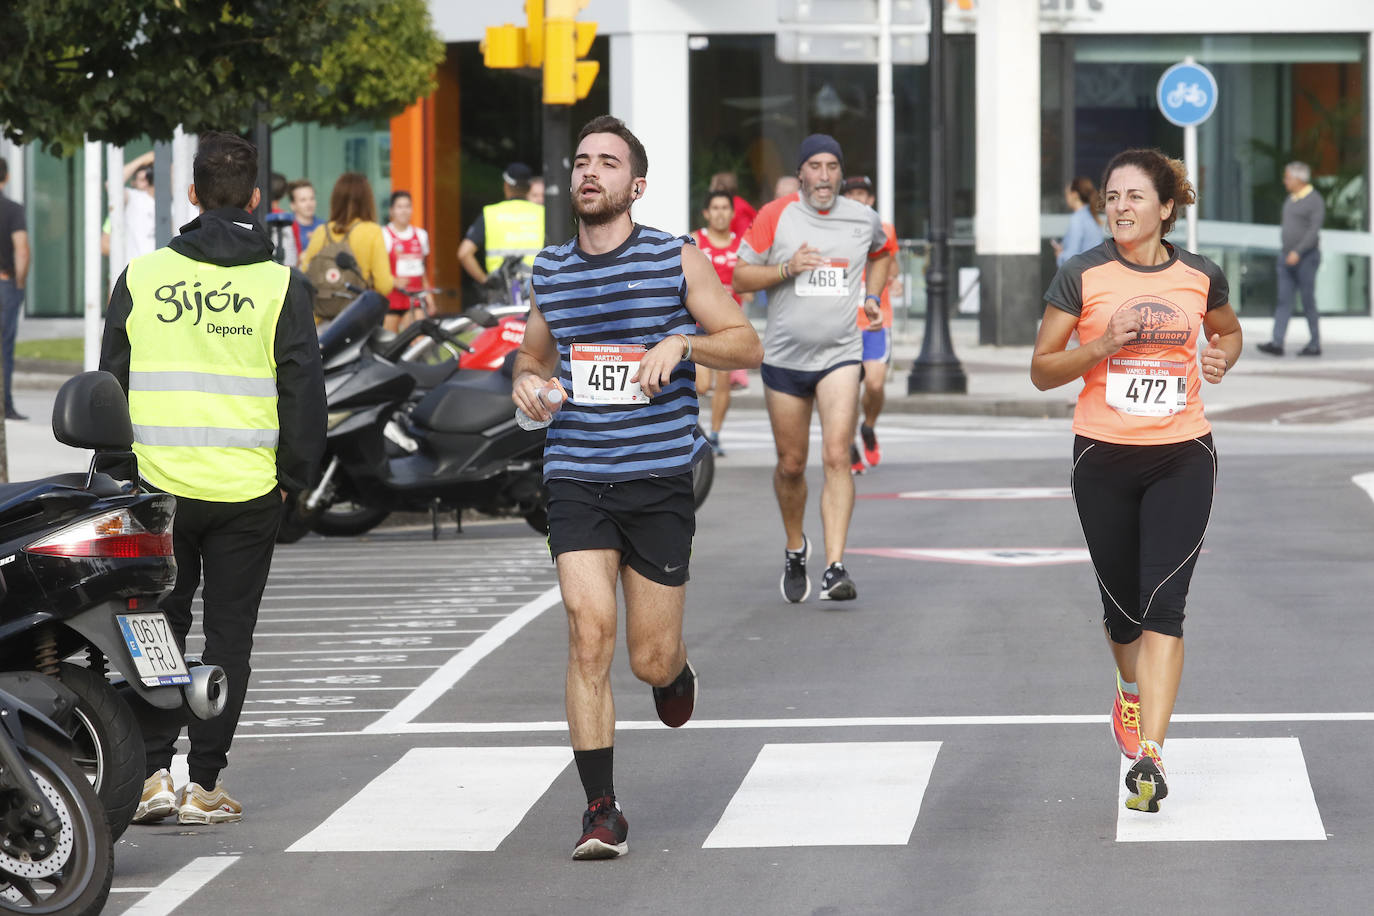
(504, 47)
(534, 33)
(567, 78)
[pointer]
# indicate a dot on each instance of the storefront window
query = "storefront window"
(1281, 98)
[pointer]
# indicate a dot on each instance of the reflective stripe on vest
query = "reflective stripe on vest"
(202, 374)
(512, 228)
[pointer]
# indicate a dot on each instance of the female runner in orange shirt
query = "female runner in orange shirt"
(1144, 468)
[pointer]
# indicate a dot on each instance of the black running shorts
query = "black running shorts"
(651, 521)
(1144, 511)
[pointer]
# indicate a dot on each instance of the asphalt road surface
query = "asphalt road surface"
(939, 745)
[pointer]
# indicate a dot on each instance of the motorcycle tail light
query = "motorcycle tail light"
(115, 534)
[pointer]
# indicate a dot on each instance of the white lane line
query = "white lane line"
(442, 680)
(349, 669)
(1226, 789)
(1365, 482)
(376, 618)
(883, 784)
(177, 889)
(389, 647)
(555, 726)
(311, 688)
(487, 791)
(399, 631)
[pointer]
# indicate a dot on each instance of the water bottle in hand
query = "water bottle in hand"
(553, 396)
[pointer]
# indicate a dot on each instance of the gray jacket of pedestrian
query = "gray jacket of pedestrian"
(1301, 221)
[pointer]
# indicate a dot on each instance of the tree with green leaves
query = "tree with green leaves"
(117, 70)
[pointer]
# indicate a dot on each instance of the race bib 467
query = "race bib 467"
(601, 373)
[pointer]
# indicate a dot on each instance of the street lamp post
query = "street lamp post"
(937, 369)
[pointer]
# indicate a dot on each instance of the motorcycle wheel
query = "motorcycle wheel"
(75, 877)
(346, 520)
(703, 475)
(107, 744)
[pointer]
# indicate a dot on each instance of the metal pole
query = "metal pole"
(91, 241)
(115, 189)
(885, 154)
(1190, 160)
(937, 369)
(557, 174)
(262, 139)
(162, 192)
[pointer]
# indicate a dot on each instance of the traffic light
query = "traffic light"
(567, 77)
(504, 47)
(534, 33)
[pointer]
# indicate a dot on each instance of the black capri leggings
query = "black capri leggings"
(1144, 511)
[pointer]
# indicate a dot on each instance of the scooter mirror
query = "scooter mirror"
(480, 316)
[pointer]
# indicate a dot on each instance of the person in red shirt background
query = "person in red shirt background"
(720, 244)
(743, 213)
(407, 246)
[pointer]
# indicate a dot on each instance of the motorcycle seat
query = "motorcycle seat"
(471, 402)
(101, 485)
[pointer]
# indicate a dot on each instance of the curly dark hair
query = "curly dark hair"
(1169, 177)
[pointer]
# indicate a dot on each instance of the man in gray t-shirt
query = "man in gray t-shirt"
(1304, 211)
(809, 250)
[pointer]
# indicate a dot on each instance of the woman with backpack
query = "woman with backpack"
(352, 227)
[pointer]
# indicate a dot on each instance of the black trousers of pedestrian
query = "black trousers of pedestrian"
(230, 545)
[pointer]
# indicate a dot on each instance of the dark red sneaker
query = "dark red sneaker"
(604, 830)
(676, 701)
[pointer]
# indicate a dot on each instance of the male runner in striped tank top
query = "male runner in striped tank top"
(614, 325)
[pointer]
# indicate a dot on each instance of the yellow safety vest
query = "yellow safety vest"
(512, 227)
(202, 374)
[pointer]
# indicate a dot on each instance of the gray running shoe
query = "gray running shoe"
(836, 584)
(796, 586)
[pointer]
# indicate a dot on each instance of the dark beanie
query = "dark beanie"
(818, 143)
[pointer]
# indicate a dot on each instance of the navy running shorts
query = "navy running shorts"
(797, 382)
(651, 521)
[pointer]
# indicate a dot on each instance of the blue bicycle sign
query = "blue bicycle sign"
(1187, 94)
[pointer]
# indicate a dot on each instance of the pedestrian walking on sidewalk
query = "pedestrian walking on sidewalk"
(229, 414)
(614, 320)
(1144, 467)
(823, 258)
(14, 273)
(877, 342)
(1304, 211)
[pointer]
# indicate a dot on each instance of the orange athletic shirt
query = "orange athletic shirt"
(885, 300)
(1148, 392)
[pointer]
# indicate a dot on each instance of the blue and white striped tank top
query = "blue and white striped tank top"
(635, 294)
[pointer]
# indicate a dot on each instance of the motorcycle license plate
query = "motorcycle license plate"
(154, 649)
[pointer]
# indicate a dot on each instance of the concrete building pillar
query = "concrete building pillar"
(649, 92)
(1007, 218)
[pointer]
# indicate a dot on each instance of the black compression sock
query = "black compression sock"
(595, 768)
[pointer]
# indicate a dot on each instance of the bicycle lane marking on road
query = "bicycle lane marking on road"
(455, 668)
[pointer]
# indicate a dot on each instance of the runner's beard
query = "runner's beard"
(604, 209)
(808, 192)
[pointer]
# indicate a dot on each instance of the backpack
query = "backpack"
(331, 295)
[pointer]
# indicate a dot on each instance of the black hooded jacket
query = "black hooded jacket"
(230, 237)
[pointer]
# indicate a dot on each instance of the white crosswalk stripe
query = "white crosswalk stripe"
(480, 797)
(1228, 789)
(775, 806)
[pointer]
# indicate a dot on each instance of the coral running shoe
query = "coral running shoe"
(604, 831)
(872, 453)
(1126, 723)
(856, 461)
(1145, 780)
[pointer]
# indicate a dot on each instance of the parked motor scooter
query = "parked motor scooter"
(84, 560)
(56, 852)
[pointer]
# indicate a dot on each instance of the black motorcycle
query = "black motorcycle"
(56, 852)
(84, 560)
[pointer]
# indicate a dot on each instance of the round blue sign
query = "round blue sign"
(1187, 94)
